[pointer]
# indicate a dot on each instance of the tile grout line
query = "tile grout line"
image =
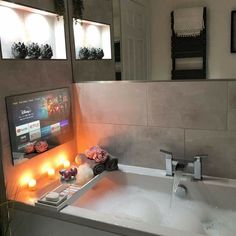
(154, 126)
(184, 143)
(147, 105)
(227, 111)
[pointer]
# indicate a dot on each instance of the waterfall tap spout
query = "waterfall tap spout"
(173, 165)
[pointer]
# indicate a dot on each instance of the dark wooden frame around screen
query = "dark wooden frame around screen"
(233, 32)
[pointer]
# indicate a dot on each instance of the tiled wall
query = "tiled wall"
(23, 76)
(135, 120)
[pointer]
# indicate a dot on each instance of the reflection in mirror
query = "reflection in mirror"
(143, 39)
(131, 36)
(92, 40)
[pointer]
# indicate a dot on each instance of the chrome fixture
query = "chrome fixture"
(181, 191)
(173, 165)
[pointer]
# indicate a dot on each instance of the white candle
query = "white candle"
(51, 173)
(66, 164)
(32, 184)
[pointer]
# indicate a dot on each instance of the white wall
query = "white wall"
(116, 19)
(221, 63)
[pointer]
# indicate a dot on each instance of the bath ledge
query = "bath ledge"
(143, 171)
(120, 225)
(209, 180)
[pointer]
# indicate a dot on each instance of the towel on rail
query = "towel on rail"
(189, 22)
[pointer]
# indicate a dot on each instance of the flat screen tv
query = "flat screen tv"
(38, 122)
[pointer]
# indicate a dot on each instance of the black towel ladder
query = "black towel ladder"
(189, 47)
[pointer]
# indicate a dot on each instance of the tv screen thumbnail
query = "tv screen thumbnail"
(38, 122)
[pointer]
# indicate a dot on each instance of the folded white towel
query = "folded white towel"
(194, 63)
(189, 21)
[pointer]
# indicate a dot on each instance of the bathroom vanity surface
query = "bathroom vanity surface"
(140, 201)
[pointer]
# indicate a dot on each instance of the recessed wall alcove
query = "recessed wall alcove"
(28, 25)
(92, 35)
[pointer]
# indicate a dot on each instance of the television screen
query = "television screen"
(38, 122)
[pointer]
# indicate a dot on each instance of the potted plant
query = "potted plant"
(59, 8)
(78, 8)
(19, 50)
(5, 219)
(34, 51)
(93, 54)
(46, 51)
(100, 53)
(84, 53)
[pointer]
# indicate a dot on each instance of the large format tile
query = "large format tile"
(232, 95)
(4, 123)
(140, 145)
(23, 76)
(198, 105)
(95, 70)
(232, 119)
(89, 135)
(113, 103)
(220, 147)
(232, 106)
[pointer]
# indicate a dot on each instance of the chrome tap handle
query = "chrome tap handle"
(200, 157)
(169, 159)
(197, 164)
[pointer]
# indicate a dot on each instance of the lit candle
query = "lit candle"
(51, 173)
(66, 164)
(32, 184)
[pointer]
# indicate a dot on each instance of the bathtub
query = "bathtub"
(142, 199)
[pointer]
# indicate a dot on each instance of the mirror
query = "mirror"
(92, 40)
(142, 39)
(93, 34)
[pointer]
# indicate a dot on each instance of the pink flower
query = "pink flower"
(97, 154)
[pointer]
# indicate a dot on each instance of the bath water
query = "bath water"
(153, 208)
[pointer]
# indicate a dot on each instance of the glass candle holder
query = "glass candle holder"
(51, 173)
(32, 184)
(66, 164)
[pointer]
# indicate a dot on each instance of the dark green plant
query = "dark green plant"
(7, 211)
(93, 54)
(5, 219)
(34, 51)
(19, 50)
(59, 8)
(46, 51)
(84, 53)
(78, 8)
(100, 53)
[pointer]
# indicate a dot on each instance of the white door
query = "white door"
(135, 39)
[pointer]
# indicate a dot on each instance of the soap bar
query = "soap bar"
(52, 197)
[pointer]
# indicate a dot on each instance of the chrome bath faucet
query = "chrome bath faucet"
(173, 164)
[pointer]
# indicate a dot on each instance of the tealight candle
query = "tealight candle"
(51, 173)
(32, 184)
(66, 164)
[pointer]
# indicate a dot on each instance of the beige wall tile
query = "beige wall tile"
(89, 135)
(113, 103)
(232, 95)
(219, 145)
(140, 145)
(199, 105)
(232, 119)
